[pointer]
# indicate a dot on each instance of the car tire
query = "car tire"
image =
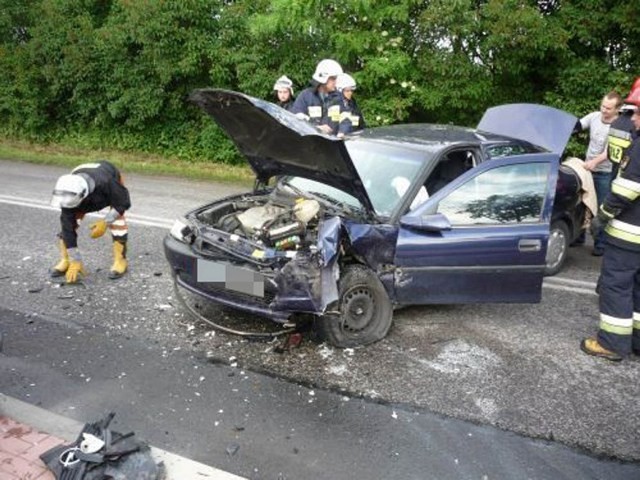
(363, 313)
(557, 248)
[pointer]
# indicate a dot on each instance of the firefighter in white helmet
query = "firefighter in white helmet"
(284, 92)
(316, 104)
(91, 187)
(351, 119)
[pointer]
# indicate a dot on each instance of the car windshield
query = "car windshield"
(385, 170)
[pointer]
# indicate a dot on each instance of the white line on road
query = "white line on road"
(131, 217)
(571, 281)
(555, 283)
(569, 289)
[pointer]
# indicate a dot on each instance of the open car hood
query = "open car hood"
(543, 126)
(276, 142)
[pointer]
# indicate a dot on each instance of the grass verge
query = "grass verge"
(128, 162)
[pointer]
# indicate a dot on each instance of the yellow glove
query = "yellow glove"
(98, 228)
(75, 271)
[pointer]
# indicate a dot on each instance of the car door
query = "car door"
(482, 238)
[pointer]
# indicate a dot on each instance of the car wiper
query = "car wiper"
(316, 196)
(327, 200)
(295, 189)
(345, 206)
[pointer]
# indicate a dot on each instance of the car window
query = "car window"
(386, 171)
(314, 187)
(498, 151)
(510, 194)
(450, 167)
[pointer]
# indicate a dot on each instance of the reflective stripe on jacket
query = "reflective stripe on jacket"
(622, 205)
(351, 118)
(317, 109)
(620, 137)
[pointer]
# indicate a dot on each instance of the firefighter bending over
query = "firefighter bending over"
(91, 187)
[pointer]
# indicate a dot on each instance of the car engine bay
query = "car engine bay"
(276, 222)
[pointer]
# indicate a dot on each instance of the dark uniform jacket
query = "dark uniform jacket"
(351, 118)
(319, 109)
(622, 205)
(108, 191)
(621, 133)
(288, 105)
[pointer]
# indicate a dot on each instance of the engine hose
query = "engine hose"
(222, 328)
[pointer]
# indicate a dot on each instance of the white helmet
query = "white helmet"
(345, 81)
(326, 68)
(69, 191)
(283, 82)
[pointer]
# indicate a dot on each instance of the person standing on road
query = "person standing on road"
(596, 160)
(622, 132)
(619, 283)
(351, 118)
(317, 104)
(284, 92)
(90, 187)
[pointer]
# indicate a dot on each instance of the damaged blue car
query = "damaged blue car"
(348, 229)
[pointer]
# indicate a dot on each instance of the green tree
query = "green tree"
(117, 73)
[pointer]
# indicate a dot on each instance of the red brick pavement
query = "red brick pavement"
(20, 449)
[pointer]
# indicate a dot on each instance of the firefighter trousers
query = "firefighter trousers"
(619, 288)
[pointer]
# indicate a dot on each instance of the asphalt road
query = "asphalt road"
(397, 409)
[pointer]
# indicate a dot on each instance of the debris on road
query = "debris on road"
(232, 449)
(293, 340)
(100, 452)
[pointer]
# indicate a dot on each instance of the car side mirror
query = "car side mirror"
(427, 223)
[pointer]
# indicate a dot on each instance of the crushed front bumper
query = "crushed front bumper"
(275, 295)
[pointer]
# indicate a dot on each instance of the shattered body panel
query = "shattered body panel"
(374, 244)
(295, 281)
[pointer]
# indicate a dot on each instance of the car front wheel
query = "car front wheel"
(364, 311)
(557, 247)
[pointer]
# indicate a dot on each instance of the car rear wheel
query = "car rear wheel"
(364, 311)
(557, 247)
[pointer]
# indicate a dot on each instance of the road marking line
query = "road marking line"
(570, 289)
(556, 283)
(131, 217)
(570, 281)
(177, 467)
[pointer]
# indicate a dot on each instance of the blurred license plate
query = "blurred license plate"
(238, 279)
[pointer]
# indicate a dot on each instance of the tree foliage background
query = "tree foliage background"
(116, 73)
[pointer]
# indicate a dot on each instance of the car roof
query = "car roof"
(432, 135)
(539, 126)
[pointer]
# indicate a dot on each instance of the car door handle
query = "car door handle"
(529, 245)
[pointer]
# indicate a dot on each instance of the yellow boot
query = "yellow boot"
(120, 263)
(62, 266)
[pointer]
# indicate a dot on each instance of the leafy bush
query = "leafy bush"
(117, 73)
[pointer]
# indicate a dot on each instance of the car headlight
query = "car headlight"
(180, 229)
